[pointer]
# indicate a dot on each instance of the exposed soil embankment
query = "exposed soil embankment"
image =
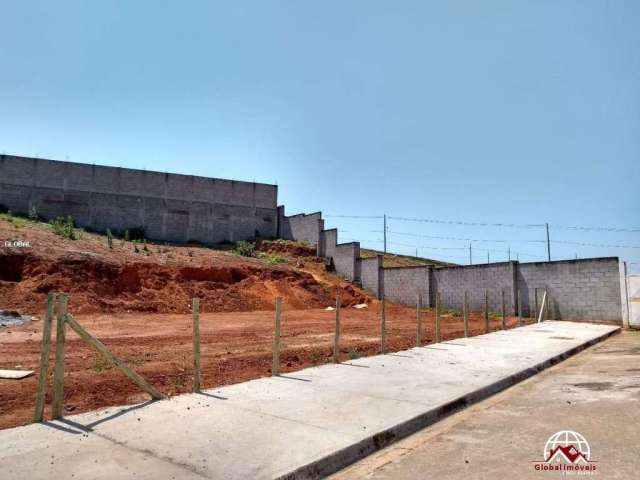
(159, 278)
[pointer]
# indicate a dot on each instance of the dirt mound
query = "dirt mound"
(292, 249)
(160, 278)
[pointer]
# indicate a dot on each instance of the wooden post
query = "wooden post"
(195, 305)
(58, 373)
(437, 317)
(275, 367)
(504, 312)
(418, 320)
(542, 306)
(486, 311)
(336, 341)
(383, 328)
(465, 314)
(111, 358)
(44, 358)
(520, 308)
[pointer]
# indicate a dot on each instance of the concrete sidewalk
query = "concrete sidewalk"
(305, 424)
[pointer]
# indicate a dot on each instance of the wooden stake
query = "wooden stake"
(419, 320)
(275, 367)
(465, 314)
(383, 328)
(44, 358)
(195, 305)
(504, 312)
(111, 358)
(486, 311)
(336, 341)
(58, 373)
(437, 317)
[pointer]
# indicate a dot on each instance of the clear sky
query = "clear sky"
(519, 112)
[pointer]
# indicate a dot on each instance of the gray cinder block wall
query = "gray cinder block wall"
(169, 207)
(452, 282)
(578, 289)
(402, 284)
(586, 289)
(371, 274)
(301, 227)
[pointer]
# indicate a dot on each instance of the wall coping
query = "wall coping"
(4, 156)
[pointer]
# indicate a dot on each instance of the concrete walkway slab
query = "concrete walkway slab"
(300, 425)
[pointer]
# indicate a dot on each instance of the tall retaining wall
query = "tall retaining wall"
(170, 207)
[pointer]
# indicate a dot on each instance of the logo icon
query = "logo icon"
(567, 452)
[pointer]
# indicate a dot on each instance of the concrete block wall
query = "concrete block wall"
(169, 207)
(301, 227)
(586, 289)
(371, 274)
(346, 260)
(402, 284)
(451, 282)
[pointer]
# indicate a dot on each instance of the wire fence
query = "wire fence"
(392, 237)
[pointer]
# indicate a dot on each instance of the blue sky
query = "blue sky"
(494, 111)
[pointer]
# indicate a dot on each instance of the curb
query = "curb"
(342, 458)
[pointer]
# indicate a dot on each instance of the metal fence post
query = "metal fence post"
(196, 343)
(275, 367)
(336, 341)
(44, 358)
(58, 373)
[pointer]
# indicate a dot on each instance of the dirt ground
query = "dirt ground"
(235, 347)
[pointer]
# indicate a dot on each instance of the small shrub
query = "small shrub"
(126, 236)
(64, 227)
(353, 354)
(101, 364)
(275, 259)
(144, 245)
(33, 213)
(245, 249)
(135, 248)
(316, 357)
(109, 238)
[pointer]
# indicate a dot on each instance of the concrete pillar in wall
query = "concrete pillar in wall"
(513, 265)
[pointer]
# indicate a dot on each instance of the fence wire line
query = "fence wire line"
(480, 240)
(489, 224)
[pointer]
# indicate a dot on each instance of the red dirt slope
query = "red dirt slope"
(158, 278)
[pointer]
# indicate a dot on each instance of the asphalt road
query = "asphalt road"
(595, 393)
